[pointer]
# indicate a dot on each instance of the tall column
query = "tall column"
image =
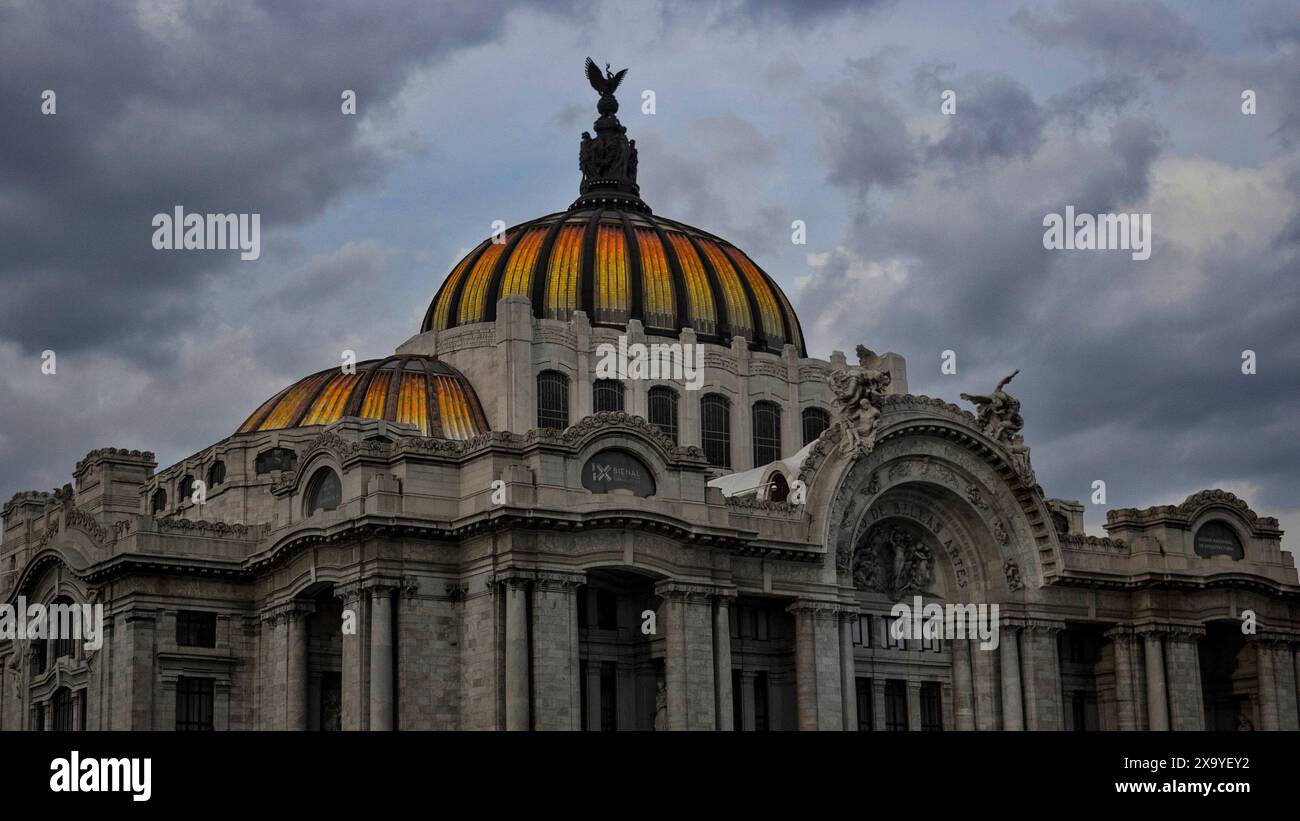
(914, 705)
(381, 658)
(722, 663)
(689, 659)
(1121, 639)
(848, 671)
(1042, 676)
(1013, 709)
(1284, 673)
(1265, 684)
(963, 698)
(556, 691)
(817, 665)
(1157, 702)
(984, 677)
(516, 654)
(298, 683)
(356, 649)
(1183, 677)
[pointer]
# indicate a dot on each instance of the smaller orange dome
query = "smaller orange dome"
(412, 390)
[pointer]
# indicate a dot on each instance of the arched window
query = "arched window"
(61, 621)
(778, 489)
(275, 459)
(159, 503)
(715, 429)
(324, 491)
(1218, 539)
(552, 400)
(767, 433)
(606, 395)
(663, 410)
(186, 490)
(216, 473)
(62, 705)
(815, 422)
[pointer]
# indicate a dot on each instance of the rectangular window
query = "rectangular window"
(38, 717)
(608, 696)
(760, 702)
(195, 629)
(895, 705)
(81, 709)
(63, 711)
(931, 707)
(887, 635)
(866, 704)
(862, 631)
(194, 703)
(932, 643)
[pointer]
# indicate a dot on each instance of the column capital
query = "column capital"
(559, 580)
(1042, 626)
(349, 593)
(1271, 640)
(1121, 634)
(1176, 632)
(283, 612)
(821, 607)
(511, 577)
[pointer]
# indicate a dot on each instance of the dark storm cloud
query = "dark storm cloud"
(221, 108)
(1146, 35)
(1095, 97)
(998, 119)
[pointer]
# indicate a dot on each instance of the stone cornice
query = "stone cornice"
(1182, 515)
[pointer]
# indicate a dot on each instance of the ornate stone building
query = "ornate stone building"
(477, 533)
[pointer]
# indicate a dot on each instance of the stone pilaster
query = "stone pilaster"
(516, 653)
(356, 657)
(689, 655)
(722, 662)
(984, 679)
(297, 679)
(1013, 707)
(1183, 678)
(381, 658)
(817, 665)
(963, 695)
(914, 706)
(1042, 675)
(1123, 643)
(1157, 700)
(848, 670)
(1284, 668)
(557, 691)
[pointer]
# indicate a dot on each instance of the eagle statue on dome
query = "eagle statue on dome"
(605, 84)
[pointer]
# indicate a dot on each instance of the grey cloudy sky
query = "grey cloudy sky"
(924, 230)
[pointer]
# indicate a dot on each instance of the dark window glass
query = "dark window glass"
(815, 421)
(895, 705)
(38, 717)
(778, 489)
(582, 690)
(81, 709)
(63, 710)
(767, 433)
(64, 643)
(275, 459)
(552, 400)
(890, 642)
(606, 610)
(186, 490)
(663, 410)
(324, 492)
(761, 722)
(715, 429)
(194, 703)
(760, 624)
(606, 395)
(866, 704)
(608, 696)
(159, 501)
(196, 629)
(216, 474)
(40, 649)
(931, 707)
(582, 605)
(331, 701)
